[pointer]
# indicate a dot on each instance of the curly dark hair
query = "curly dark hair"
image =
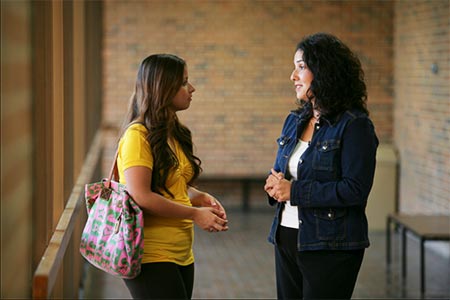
(159, 78)
(338, 83)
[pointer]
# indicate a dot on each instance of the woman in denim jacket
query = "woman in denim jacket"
(322, 175)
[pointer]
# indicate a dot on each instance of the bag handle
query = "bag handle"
(114, 172)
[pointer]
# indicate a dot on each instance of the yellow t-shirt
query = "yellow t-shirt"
(165, 239)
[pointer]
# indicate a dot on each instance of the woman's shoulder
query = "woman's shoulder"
(360, 116)
(349, 115)
(138, 126)
(296, 114)
(291, 121)
(135, 130)
(346, 117)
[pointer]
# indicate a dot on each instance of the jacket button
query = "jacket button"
(300, 161)
(300, 222)
(330, 215)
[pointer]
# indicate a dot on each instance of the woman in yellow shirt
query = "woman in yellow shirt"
(157, 164)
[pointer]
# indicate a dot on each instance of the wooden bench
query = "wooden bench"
(245, 183)
(426, 228)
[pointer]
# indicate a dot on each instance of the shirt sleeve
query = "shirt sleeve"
(134, 150)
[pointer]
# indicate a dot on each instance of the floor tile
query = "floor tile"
(239, 264)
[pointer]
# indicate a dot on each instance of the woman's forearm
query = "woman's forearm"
(196, 196)
(158, 205)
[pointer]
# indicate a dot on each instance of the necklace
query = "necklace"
(316, 114)
(315, 117)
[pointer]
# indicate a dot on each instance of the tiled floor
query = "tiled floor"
(239, 264)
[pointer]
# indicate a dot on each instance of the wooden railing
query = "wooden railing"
(49, 267)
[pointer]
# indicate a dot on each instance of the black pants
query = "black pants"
(163, 280)
(314, 274)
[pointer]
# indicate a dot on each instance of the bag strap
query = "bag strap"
(114, 172)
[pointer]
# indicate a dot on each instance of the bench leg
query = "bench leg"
(422, 267)
(388, 241)
(404, 267)
(245, 196)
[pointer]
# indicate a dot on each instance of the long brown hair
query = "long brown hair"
(159, 78)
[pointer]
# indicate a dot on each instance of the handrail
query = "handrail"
(46, 273)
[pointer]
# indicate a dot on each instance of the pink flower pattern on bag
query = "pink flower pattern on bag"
(112, 239)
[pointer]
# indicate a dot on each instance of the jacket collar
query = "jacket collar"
(331, 120)
(303, 115)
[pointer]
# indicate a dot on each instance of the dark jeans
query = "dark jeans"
(163, 280)
(321, 274)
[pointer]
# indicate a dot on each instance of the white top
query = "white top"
(289, 216)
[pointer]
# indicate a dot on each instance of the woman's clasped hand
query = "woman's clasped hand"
(277, 186)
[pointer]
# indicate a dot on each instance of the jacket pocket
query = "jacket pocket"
(283, 140)
(331, 224)
(326, 155)
(283, 155)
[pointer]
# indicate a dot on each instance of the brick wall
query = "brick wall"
(239, 55)
(422, 104)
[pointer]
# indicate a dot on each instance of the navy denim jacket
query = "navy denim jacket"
(335, 175)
